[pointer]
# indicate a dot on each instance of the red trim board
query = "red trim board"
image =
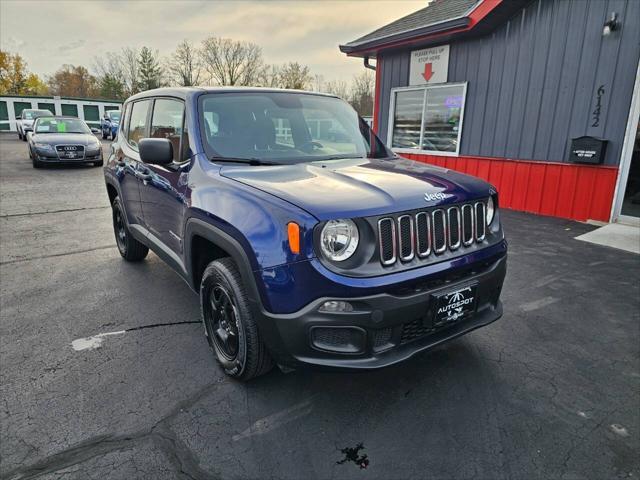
(566, 190)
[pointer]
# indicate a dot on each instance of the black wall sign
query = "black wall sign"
(587, 150)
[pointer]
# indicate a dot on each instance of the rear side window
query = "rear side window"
(138, 125)
(167, 122)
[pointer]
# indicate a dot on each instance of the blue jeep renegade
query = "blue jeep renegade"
(308, 240)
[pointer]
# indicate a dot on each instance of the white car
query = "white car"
(24, 124)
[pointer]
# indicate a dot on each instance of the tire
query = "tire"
(19, 136)
(104, 137)
(250, 358)
(98, 164)
(130, 249)
(36, 163)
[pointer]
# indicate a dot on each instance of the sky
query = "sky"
(50, 33)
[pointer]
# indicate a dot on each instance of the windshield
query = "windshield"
(114, 115)
(284, 127)
(61, 125)
(31, 114)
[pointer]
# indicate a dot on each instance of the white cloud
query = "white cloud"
(305, 31)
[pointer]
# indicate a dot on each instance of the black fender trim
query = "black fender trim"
(226, 242)
(230, 245)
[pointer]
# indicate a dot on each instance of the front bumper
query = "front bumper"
(49, 158)
(394, 325)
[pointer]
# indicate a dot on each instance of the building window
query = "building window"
(427, 119)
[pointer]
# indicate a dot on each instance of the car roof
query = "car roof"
(37, 110)
(185, 92)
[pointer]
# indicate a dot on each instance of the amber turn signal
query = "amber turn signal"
(293, 231)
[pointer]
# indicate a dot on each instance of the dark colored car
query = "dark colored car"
(57, 139)
(110, 123)
(28, 116)
(308, 240)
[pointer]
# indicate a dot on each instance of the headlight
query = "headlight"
(44, 146)
(491, 210)
(339, 239)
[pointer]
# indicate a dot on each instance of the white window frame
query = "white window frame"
(425, 88)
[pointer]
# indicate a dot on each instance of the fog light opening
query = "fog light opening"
(336, 306)
(349, 340)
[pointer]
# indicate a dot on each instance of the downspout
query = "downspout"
(368, 65)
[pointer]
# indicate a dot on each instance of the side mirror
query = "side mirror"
(156, 151)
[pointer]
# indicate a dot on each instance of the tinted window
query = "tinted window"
(167, 123)
(138, 123)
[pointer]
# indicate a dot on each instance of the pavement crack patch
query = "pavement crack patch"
(179, 454)
(156, 325)
(47, 212)
(95, 341)
(41, 257)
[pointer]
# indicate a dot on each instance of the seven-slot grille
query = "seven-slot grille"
(425, 233)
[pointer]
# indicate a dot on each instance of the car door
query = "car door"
(128, 160)
(163, 189)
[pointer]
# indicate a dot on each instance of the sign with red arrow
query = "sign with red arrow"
(429, 65)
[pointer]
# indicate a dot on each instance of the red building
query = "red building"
(539, 97)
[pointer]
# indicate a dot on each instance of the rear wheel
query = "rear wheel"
(104, 135)
(130, 249)
(230, 328)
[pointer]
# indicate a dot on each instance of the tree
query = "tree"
(111, 87)
(149, 68)
(130, 70)
(338, 88)
(13, 74)
(294, 75)
(230, 62)
(362, 93)
(110, 73)
(73, 81)
(35, 86)
(184, 65)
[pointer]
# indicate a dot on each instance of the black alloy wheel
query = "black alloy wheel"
(221, 320)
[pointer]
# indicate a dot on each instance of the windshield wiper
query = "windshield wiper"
(248, 161)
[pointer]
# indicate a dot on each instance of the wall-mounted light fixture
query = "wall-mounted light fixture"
(611, 25)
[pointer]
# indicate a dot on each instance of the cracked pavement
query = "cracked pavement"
(542, 393)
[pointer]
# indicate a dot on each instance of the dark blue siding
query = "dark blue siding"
(533, 82)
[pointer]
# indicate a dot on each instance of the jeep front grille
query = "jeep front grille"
(430, 232)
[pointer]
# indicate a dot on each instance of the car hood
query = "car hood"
(64, 138)
(361, 187)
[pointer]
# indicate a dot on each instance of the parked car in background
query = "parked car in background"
(58, 139)
(110, 123)
(25, 123)
(308, 246)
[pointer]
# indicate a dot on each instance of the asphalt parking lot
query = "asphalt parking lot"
(552, 390)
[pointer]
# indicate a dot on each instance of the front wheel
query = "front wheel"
(230, 328)
(130, 249)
